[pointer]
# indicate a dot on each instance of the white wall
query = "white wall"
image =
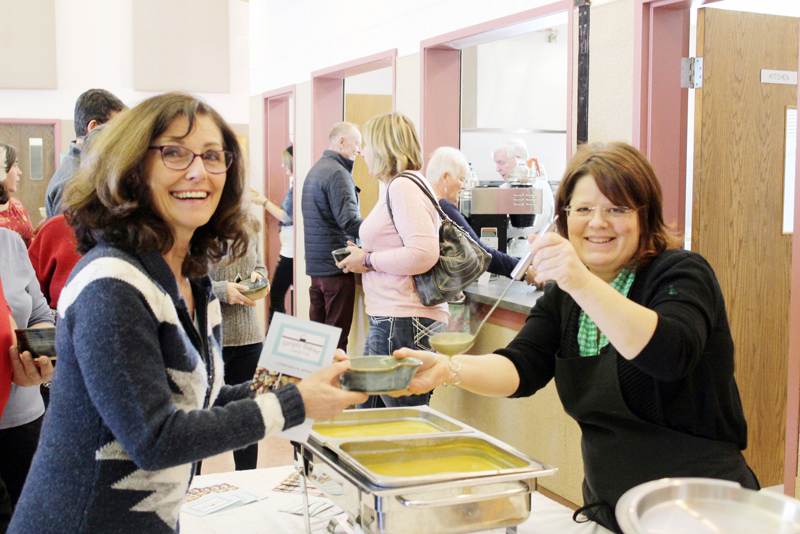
(522, 82)
(289, 40)
(94, 40)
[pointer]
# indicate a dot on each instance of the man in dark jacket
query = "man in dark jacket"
(331, 217)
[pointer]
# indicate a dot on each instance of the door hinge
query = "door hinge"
(691, 72)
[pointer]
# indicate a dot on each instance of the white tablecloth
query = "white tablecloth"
(263, 517)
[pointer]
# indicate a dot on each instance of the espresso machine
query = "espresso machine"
(500, 214)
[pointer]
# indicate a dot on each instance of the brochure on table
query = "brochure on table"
(299, 348)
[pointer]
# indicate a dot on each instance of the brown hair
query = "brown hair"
(395, 145)
(110, 199)
(11, 157)
(625, 177)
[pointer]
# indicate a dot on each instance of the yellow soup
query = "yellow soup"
(459, 463)
(376, 430)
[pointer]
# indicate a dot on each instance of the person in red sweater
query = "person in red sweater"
(53, 256)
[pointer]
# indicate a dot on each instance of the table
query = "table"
(263, 517)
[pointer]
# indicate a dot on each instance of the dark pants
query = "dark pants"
(332, 301)
(240, 366)
(281, 282)
(17, 447)
(5, 508)
(386, 335)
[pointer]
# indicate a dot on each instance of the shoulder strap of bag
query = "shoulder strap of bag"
(425, 190)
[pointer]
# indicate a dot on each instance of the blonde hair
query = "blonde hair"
(395, 144)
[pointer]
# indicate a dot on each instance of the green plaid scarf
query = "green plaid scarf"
(587, 330)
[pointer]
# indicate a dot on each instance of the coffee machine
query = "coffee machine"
(498, 214)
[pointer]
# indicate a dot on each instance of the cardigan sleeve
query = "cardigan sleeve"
(417, 223)
(117, 344)
(533, 350)
(688, 300)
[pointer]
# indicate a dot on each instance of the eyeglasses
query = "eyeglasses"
(179, 158)
(609, 213)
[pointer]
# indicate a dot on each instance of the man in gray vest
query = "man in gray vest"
(331, 217)
(94, 107)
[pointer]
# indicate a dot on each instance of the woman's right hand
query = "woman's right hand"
(353, 263)
(322, 395)
(434, 371)
(234, 295)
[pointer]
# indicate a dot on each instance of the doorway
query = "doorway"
(35, 143)
(278, 136)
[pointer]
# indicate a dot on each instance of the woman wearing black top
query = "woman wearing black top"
(634, 332)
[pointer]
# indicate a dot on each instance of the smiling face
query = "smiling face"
(604, 246)
(186, 199)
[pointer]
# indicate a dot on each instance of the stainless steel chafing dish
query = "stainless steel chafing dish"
(492, 492)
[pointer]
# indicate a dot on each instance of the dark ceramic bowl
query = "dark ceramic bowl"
(37, 341)
(379, 374)
(255, 290)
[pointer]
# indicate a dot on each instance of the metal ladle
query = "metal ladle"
(452, 343)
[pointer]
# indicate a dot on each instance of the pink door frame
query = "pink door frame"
(327, 94)
(661, 31)
(440, 92)
(277, 121)
(56, 123)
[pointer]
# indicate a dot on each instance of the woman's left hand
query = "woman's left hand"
(28, 371)
(554, 258)
(354, 263)
(234, 295)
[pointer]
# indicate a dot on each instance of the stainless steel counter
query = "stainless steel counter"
(519, 299)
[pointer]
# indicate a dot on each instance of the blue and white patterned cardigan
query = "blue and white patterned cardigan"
(137, 398)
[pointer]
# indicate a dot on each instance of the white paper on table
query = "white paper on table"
(208, 504)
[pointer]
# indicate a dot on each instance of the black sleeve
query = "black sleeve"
(534, 349)
(687, 298)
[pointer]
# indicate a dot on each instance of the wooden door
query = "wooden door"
(737, 208)
(358, 109)
(31, 191)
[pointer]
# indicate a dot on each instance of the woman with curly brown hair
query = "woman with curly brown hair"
(138, 397)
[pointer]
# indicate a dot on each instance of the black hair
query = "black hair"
(94, 105)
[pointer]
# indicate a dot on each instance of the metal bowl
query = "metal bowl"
(379, 374)
(705, 506)
(37, 341)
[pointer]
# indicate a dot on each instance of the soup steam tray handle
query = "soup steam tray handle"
(464, 499)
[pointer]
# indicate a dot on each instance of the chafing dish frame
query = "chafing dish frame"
(451, 505)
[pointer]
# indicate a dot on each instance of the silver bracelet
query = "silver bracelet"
(455, 367)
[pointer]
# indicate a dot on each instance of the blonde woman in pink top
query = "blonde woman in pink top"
(392, 253)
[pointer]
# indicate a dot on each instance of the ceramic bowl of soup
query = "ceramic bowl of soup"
(379, 374)
(255, 290)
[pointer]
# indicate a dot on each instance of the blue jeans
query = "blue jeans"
(386, 335)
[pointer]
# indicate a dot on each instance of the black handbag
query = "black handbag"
(461, 259)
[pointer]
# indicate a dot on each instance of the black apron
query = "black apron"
(621, 450)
